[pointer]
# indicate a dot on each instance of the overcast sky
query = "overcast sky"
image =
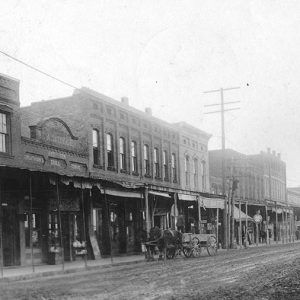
(165, 54)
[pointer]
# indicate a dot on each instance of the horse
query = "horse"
(167, 242)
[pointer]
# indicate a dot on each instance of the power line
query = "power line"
(38, 70)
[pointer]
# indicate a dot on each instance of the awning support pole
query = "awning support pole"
(84, 232)
(240, 224)
(276, 223)
(59, 223)
(217, 229)
(267, 225)
(1, 231)
(246, 229)
(30, 222)
(148, 221)
(107, 204)
(199, 214)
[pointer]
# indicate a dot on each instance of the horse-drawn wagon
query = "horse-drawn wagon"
(171, 243)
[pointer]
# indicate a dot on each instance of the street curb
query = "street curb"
(62, 272)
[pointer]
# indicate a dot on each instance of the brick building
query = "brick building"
(89, 173)
(261, 186)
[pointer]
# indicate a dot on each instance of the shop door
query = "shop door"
(67, 228)
(10, 235)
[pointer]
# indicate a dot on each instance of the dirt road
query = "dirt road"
(257, 273)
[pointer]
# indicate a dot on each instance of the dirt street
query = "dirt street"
(270, 272)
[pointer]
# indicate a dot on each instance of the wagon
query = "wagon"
(197, 241)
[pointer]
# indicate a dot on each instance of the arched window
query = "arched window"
(122, 154)
(134, 166)
(156, 162)
(195, 172)
(187, 169)
(96, 149)
(109, 150)
(146, 160)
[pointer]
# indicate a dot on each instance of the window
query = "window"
(165, 165)
(134, 157)
(96, 149)
(173, 165)
(109, 150)
(203, 175)
(156, 163)
(3, 132)
(146, 160)
(122, 154)
(195, 171)
(187, 170)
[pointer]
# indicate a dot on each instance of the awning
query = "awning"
(213, 202)
(159, 194)
(237, 213)
(119, 193)
(185, 197)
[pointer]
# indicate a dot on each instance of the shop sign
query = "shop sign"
(78, 166)
(57, 162)
(34, 158)
(257, 218)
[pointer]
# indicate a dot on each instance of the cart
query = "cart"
(196, 241)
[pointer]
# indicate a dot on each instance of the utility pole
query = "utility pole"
(222, 111)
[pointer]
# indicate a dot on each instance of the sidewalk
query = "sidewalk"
(21, 273)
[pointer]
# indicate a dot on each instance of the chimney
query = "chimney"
(269, 150)
(125, 101)
(148, 111)
(274, 152)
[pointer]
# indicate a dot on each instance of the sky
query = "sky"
(164, 54)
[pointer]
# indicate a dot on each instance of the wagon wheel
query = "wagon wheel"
(170, 252)
(187, 250)
(211, 245)
(196, 250)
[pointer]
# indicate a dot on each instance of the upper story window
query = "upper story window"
(165, 165)
(109, 150)
(122, 153)
(146, 160)
(173, 166)
(134, 166)
(187, 169)
(96, 148)
(156, 162)
(195, 171)
(203, 175)
(4, 136)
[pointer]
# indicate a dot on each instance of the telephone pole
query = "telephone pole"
(222, 111)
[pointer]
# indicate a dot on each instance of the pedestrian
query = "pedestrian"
(180, 223)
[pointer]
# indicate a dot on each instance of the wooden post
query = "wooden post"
(175, 209)
(276, 223)
(267, 225)
(84, 229)
(199, 213)
(246, 229)
(59, 223)
(217, 229)
(1, 231)
(107, 204)
(240, 224)
(256, 234)
(30, 222)
(147, 210)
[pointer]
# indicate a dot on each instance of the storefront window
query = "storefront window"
(36, 230)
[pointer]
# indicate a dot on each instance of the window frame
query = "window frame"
(165, 166)
(96, 146)
(146, 152)
(5, 134)
(156, 162)
(110, 151)
(173, 166)
(122, 154)
(133, 155)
